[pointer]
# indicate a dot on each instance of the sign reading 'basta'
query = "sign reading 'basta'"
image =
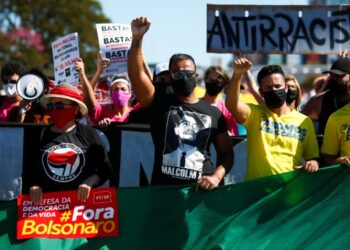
(61, 215)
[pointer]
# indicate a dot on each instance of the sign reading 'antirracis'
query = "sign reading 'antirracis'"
(276, 29)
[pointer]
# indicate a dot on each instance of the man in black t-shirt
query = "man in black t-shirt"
(182, 126)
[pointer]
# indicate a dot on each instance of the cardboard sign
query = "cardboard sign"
(65, 53)
(278, 29)
(115, 41)
(61, 215)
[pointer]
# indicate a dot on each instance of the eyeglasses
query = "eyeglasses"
(178, 75)
(57, 105)
(10, 81)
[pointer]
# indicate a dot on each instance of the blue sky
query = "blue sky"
(178, 26)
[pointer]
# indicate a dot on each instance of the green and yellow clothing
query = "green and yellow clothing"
(277, 143)
(336, 140)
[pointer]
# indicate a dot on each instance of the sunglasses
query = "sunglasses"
(178, 75)
(10, 81)
(57, 105)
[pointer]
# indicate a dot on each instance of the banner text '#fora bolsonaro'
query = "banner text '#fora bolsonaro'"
(61, 215)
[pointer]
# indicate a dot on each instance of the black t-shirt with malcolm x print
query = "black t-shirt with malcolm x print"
(67, 159)
(182, 134)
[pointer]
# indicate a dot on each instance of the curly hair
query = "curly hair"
(10, 68)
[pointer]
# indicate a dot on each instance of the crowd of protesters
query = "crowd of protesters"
(281, 133)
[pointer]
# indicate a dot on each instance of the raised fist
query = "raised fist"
(140, 26)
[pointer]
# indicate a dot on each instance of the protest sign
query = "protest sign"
(65, 51)
(61, 215)
(278, 29)
(115, 41)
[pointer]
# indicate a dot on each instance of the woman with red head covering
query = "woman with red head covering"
(72, 155)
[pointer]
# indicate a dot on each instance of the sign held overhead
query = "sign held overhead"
(278, 29)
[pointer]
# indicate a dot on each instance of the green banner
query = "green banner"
(294, 210)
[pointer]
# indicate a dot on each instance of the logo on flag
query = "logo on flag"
(63, 162)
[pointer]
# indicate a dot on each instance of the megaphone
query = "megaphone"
(30, 87)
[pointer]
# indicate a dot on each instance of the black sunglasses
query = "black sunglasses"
(178, 75)
(57, 105)
(10, 81)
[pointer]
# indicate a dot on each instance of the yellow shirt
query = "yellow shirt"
(199, 91)
(277, 143)
(248, 98)
(336, 139)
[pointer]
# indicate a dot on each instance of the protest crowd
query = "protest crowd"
(184, 122)
(187, 113)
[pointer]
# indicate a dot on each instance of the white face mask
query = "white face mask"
(10, 89)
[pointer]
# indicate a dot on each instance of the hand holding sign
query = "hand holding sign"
(79, 66)
(85, 188)
(36, 194)
(102, 63)
(83, 192)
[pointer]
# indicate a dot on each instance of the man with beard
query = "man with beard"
(180, 116)
(336, 95)
(278, 137)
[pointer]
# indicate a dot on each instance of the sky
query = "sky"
(177, 26)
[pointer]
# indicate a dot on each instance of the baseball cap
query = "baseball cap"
(340, 67)
(160, 68)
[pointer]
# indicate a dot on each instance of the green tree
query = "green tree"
(29, 26)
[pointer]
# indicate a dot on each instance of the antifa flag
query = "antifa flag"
(295, 210)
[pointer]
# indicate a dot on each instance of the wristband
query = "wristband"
(22, 111)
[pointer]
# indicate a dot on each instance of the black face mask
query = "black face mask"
(336, 88)
(291, 95)
(275, 98)
(213, 88)
(184, 86)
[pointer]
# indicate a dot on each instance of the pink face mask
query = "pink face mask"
(120, 97)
